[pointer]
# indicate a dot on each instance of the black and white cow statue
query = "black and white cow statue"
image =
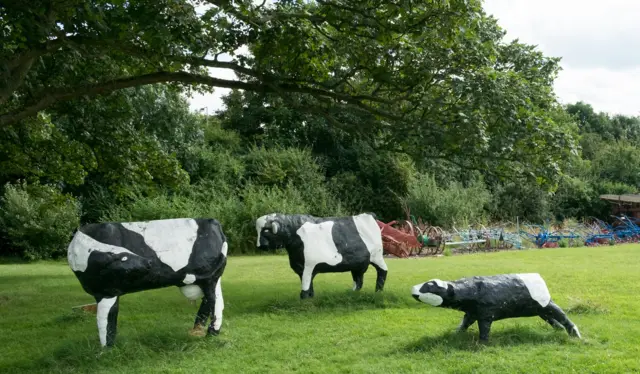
(113, 259)
(491, 298)
(325, 245)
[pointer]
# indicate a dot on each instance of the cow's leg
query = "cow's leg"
(555, 324)
(107, 316)
(201, 318)
(307, 282)
(485, 327)
(311, 293)
(467, 321)
(210, 293)
(358, 279)
(381, 269)
(555, 312)
(219, 306)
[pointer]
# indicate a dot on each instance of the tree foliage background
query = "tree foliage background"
(339, 107)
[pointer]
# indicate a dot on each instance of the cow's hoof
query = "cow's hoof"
(575, 332)
(305, 295)
(199, 331)
(213, 332)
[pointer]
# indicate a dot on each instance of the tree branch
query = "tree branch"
(102, 88)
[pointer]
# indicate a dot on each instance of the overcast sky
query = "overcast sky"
(599, 42)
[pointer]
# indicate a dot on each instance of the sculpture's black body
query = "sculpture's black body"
(113, 259)
(491, 298)
(325, 244)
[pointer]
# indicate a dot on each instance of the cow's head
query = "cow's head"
(433, 292)
(269, 232)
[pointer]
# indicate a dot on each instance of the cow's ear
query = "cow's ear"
(274, 227)
(450, 292)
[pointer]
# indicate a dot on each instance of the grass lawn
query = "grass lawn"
(267, 328)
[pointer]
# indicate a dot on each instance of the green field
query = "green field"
(267, 328)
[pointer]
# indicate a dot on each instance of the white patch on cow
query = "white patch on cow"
(431, 299)
(219, 307)
(319, 247)
(371, 235)
(138, 227)
(189, 278)
(81, 247)
(427, 298)
(104, 306)
(192, 292)
(125, 258)
(225, 249)
(355, 285)
(576, 332)
(537, 288)
(260, 222)
(440, 283)
(171, 239)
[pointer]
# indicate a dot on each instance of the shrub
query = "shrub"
(38, 220)
(454, 204)
(236, 213)
(525, 200)
(220, 166)
(153, 207)
(281, 167)
(378, 183)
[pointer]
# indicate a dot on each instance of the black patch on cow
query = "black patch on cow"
(205, 263)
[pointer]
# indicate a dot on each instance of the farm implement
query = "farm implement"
(543, 237)
(624, 230)
(414, 237)
(411, 237)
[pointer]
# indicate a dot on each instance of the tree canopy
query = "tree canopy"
(431, 78)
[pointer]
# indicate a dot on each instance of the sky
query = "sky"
(598, 41)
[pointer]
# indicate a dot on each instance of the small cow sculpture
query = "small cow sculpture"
(113, 259)
(325, 245)
(491, 298)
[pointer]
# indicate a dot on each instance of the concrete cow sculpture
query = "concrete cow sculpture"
(491, 298)
(325, 245)
(113, 259)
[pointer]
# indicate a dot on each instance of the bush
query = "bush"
(282, 166)
(378, 183)
(454, 204)
(524, 200)
(38, 220)
(220, 166)
(236, 213)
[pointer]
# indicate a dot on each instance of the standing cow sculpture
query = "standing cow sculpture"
(113, 259)
(325, 245)
(491, 298)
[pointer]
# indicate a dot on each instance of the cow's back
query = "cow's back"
(522, 294)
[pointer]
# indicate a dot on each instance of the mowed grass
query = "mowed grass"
(267, 329)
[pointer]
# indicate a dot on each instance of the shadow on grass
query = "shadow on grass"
(328, 302)
(469, 340)
(140, 351)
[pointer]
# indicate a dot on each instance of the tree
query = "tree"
(434, 76)
(618, 162)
